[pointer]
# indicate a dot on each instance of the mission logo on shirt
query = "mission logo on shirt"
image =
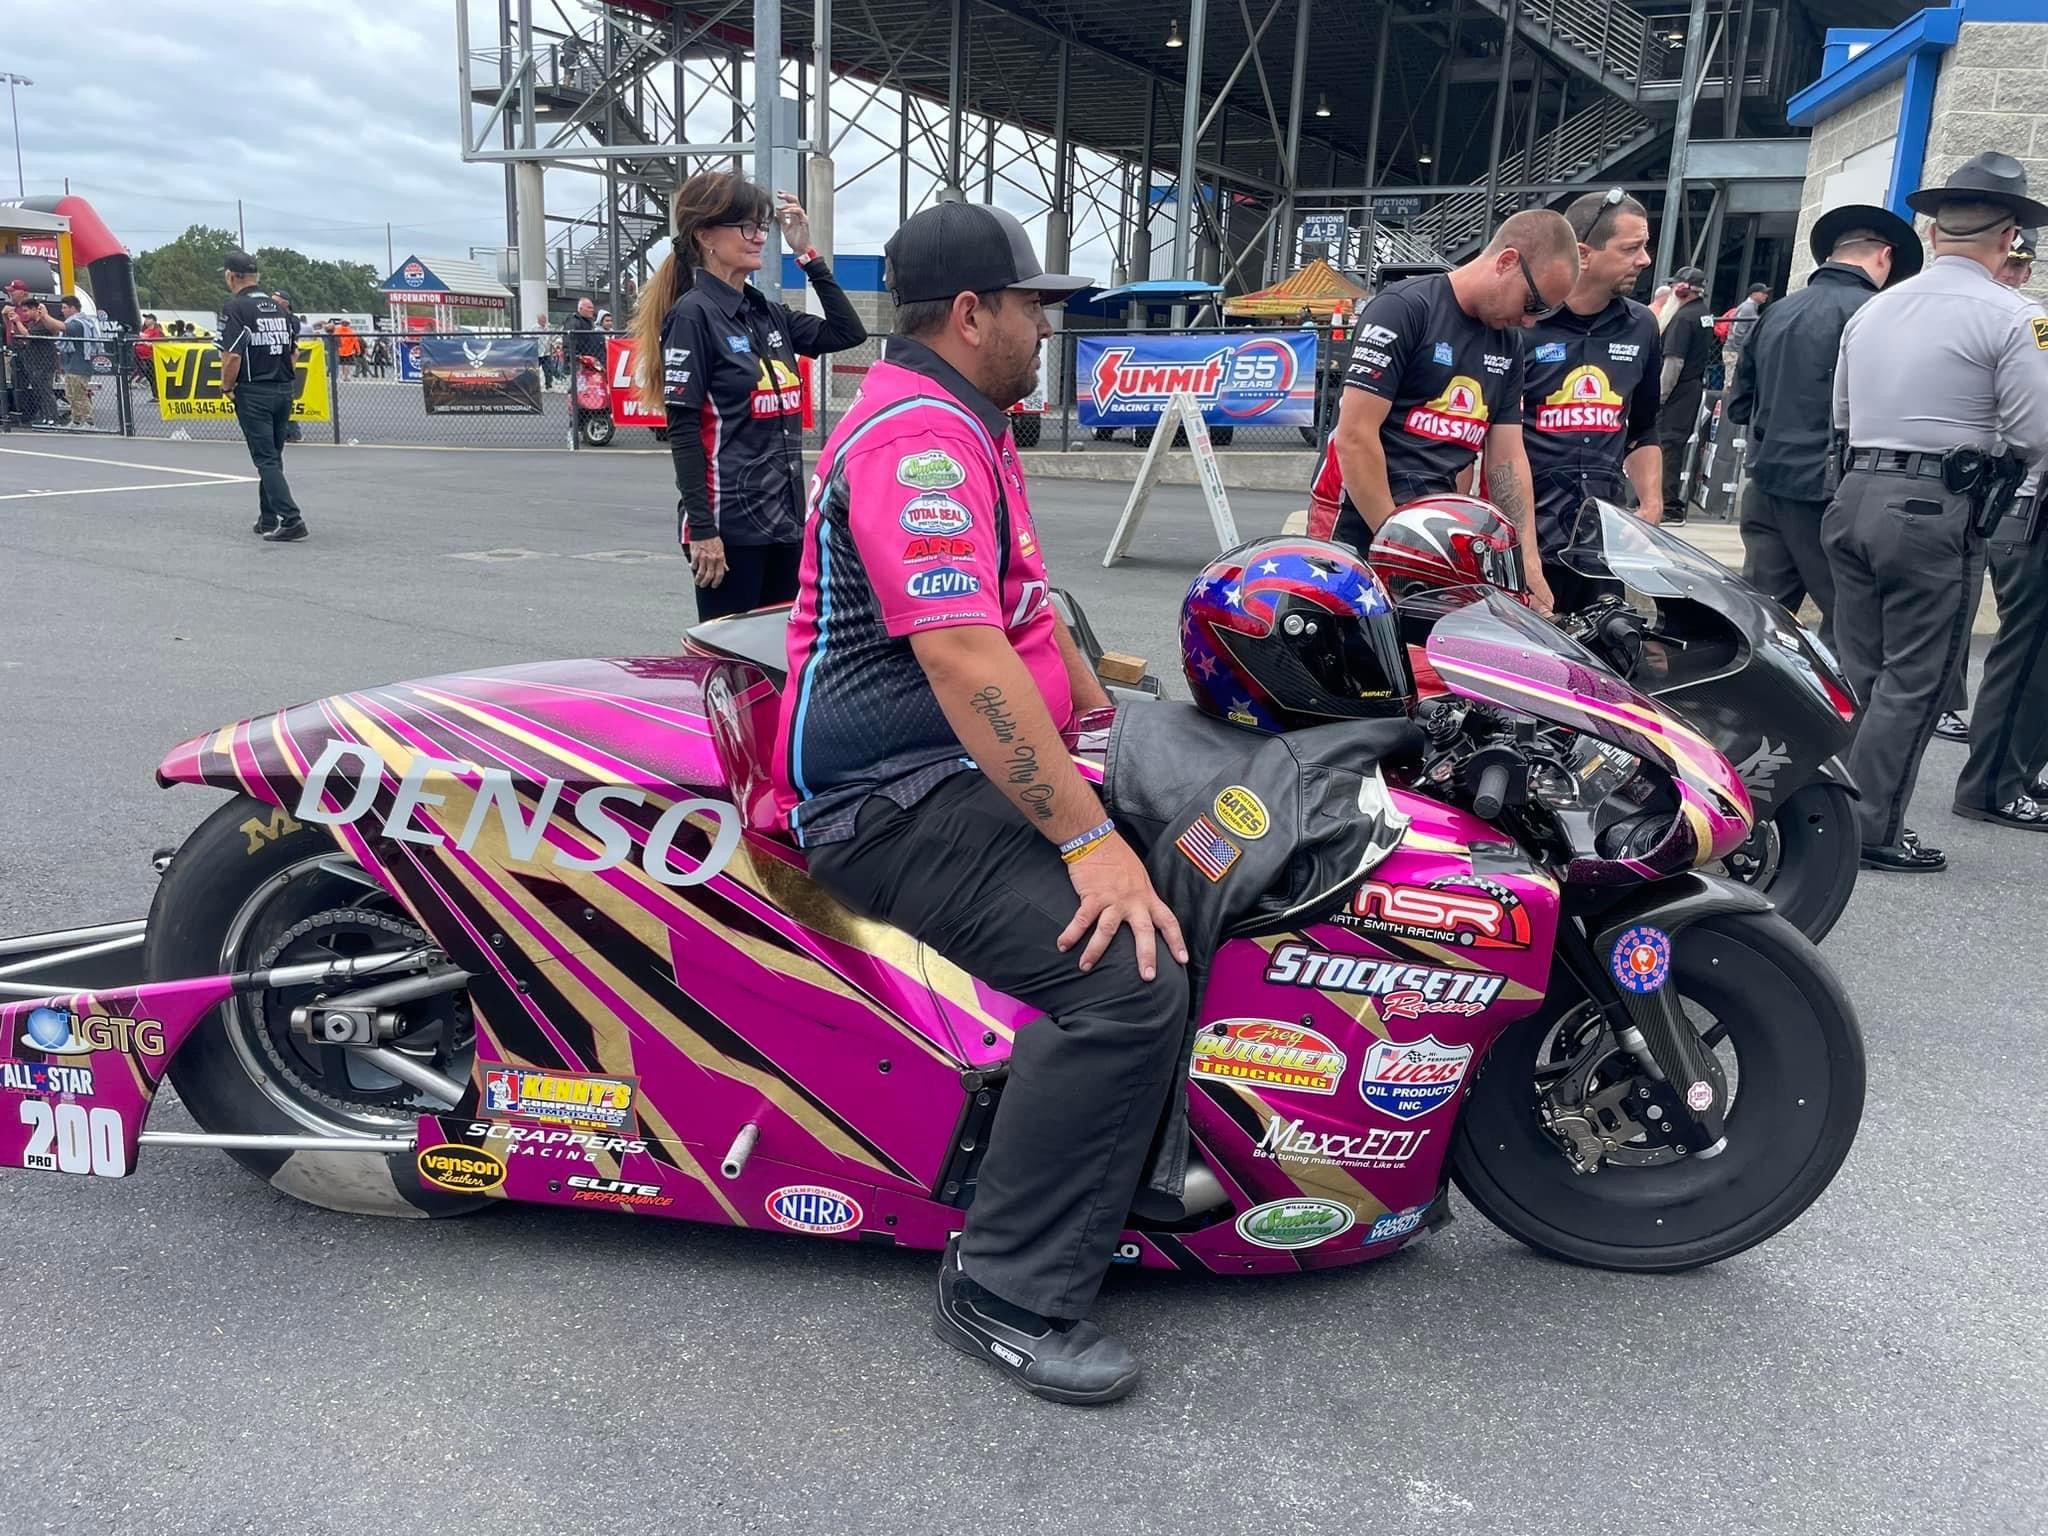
(1584, 402)
(1458, 415)
(777, 389)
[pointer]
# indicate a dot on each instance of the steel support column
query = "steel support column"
(767, 108)
(956, 97)
(1681, 137)
(818, 202)
(1500, 111)
(1141, 244)
(1731, 91)
(611, 178)
(1290, 173)
(1059, 223)
(1188, 176)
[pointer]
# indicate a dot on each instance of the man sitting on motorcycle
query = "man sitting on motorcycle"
(920, 762)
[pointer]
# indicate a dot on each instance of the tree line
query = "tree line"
(186, 274)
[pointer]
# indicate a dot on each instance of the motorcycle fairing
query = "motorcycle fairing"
(65, 1110)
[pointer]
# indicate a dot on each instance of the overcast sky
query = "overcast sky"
(327, 118)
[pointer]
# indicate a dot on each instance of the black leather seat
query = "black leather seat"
(760, 638)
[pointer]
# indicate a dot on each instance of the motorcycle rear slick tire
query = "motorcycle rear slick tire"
(1818, 857)
(228, 859)
(1796, 1106)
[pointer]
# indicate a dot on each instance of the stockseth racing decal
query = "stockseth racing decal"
(1471, 913)
(1267, 1053)
(1402, 991)
(1409, 1080)
(1295, 1223)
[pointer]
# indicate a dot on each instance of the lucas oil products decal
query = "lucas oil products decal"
(1408, 1080)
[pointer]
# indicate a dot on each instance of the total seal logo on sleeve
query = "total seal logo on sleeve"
(936, 516)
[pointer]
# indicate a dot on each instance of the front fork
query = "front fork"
(1650, 1025)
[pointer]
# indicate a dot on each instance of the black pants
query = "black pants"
(965, 873)
(1781, 553)
(756, 576)
(1902, 554)
(2009, 732)
(264, 411)
(1674, 429)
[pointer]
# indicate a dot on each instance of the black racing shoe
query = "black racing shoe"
(2024, 812)
(1952, 727)
(265, 527)
(1903, 858)
(287, 533)
(1066, 1362)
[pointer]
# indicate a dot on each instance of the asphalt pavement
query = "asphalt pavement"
(186, 1351)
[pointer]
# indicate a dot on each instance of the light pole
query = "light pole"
(20, 186)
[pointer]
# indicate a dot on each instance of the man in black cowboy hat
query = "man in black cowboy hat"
(1784, 390)
(1948, 363)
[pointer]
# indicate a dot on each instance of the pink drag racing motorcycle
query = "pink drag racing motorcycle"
(531, 934)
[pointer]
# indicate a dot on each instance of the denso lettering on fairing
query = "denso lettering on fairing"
(498, 789)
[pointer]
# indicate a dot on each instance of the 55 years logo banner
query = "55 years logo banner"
(1267, 377)
(188, 382)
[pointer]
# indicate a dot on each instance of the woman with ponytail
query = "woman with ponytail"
(727, 379)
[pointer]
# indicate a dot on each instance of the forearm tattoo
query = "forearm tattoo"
(1507, 495)
(1021, 768)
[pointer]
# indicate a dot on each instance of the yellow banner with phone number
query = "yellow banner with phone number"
(188, 382)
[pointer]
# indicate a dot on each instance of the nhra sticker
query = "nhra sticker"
(935, 515)
(1295, 1223)
(1242, 812)
(1395, 1224)
(552, 1098)
(813, 1208)
(1642, 959)
(1266, 1053)
(1468, 912)
(1408, 1081)
(467, 1170)
(932, 470)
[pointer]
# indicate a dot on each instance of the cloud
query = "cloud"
(326, 121)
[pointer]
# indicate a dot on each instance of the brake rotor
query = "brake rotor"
(1597, 1101)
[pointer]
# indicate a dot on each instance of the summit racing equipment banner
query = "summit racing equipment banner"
(480, 375)
(623, 384)
(188, 382)
(1267, 377)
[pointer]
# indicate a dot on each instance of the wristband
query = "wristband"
(808, 255)
(1083, 851)
(1079, 847)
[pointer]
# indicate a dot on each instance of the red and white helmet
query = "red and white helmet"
(1448, 541)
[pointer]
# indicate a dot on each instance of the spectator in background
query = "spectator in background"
(1661, 305)
(581, 338)
(81, 349)
(30, 332)
(380, 358)
(1688, 349)
(1738, 325)
(145, 354)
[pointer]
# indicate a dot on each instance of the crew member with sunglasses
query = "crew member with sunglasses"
(728, 383)
(1435, 376)
(1590, 387)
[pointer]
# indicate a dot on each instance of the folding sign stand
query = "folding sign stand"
(1180, 408)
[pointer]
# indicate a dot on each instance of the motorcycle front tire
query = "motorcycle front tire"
(1795, 1102)
(1818, 857)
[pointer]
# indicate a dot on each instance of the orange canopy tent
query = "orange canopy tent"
(1318, 287)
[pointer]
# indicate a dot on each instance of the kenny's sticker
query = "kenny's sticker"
(1642, 959)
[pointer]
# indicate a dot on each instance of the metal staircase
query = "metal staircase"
(1604, 40)
(1581, 147)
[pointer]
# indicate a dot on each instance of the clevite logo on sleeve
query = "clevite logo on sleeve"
(1458, 415)
(932, 470)
(1409, 1080)
(559, 1098)
(937, 515)
(942, 582)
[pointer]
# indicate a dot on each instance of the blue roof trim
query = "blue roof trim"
(1930, 31)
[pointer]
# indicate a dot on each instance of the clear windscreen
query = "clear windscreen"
(1610, 541)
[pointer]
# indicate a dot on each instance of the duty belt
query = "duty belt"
(1896, 461)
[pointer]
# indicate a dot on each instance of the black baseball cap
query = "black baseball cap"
(241, 263)
(961, 247)
(1692, 277)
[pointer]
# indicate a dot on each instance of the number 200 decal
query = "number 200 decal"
(69, 1138)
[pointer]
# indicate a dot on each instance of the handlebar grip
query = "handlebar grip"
(1492, 792)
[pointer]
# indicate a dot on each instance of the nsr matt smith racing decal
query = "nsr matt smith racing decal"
(1464, 910)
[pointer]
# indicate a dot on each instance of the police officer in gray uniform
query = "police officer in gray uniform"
(2012, 706)
(1942, 383)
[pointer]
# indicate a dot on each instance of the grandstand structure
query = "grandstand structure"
(1226, 141)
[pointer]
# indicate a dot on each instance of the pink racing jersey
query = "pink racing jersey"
(917, 521)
